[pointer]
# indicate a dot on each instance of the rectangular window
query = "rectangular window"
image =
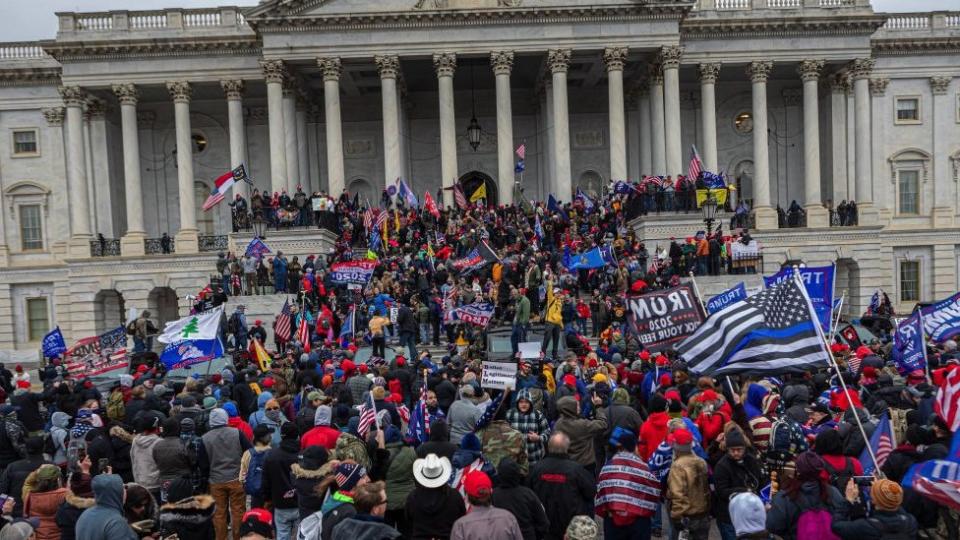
(908, 192)
(908, 110)
(38, 320)
(31, 227)
(25, 142)
(909, 281)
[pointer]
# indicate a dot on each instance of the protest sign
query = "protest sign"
(662, 318)
(499, 375)
(529, 349)
(359, 271)
(97, 355)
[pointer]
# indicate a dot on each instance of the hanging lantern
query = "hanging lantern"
(473, 133)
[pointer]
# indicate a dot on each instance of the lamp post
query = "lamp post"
(709, 210)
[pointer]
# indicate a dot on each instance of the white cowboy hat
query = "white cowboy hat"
(432, 471)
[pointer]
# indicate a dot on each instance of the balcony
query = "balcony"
(122, 24)
(105, 247)
(750, 5)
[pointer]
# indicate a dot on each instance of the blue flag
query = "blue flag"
(555, 207)
(256, 248)
(346, 329)
(407, 194)
(621, 187)
(418, 430)
(908, 345)
(375, 240)
(190, 352)
(874, 302)
(538, 228)
(727, 297)
(520, 167)
(713, 181)
(818, 280)
(881, 442)
(941, 321)
(587, 201)
(595, 258)
(53, 344)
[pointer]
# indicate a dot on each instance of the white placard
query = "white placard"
(317, 204)
(529, 349)
(499, 375)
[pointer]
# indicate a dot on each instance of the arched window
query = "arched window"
(591, 183)
(205, 219)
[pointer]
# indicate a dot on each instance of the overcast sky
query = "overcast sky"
(23, 20)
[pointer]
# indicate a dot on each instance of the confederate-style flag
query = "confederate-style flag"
(431, 205)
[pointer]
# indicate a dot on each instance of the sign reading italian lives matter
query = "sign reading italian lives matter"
(499, 375)
(662, 318)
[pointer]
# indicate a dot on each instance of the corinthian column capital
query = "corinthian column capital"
(445, 64)
(559, 60)
(502, 62)
(127, 93)
(615, 58)
(331, 67)
(180, 91)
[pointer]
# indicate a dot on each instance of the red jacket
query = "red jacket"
(324, 436)
(243, 426)
(652, 433)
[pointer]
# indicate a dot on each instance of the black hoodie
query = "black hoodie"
(432, 512)
(519, 500)
(277, 476)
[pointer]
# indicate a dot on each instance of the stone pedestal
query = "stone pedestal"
(79, 246)
(187, 241)
(131, 244)
(943, 217)
(817, 216)
(765, 217)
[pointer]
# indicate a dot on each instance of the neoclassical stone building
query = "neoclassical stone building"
(119, 124)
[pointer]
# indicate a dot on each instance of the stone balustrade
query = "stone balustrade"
(22, 50)
(906, 22)
(121, 23)
(748, 5)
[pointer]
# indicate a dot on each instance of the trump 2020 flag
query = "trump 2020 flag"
(53, 344)
(407, 194)
(818, 281)
(771, 332)
(726, 298)
(257, 248)
(942, 320)
(938, 479)
(907, 351)
(882, 442)
(191, 352)
(196, 327)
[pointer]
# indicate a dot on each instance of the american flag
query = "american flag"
(368, 416)
(881, 442)
(404, 412)
(459, 197)
(368, 219)
(281, 327)
(853, 363)
(418, 429)
(696, 166)
(303, 334)
(947, 404)
(522, 151)
(381, 219)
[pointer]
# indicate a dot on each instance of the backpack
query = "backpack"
(253, 482)
(786, 440)
(132, 328)
(311, 527)
(815, 522)
(233, 324)
(891, 531)
(839, 478)
(116, 410)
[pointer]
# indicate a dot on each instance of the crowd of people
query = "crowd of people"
(599, 437)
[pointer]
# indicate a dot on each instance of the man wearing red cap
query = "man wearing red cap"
(687, 488)
(484, 522)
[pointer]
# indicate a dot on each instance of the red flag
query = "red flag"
(947, 404)
(303, 334)
(431, 205)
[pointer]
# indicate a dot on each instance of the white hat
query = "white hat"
(432, 471)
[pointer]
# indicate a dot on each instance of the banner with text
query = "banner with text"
(662, 318)
(941, 321)
(358, 272)
(191, 352)
(907, 351)
(819, 284)
(726, 298)
(97, 355)
(478, 314)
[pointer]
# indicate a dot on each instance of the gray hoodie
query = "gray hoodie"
(145, 470)
(105, 521)
(60, 436)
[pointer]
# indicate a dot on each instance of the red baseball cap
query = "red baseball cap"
(682, 437)
(478, 484)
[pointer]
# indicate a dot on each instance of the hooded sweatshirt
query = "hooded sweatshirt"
(60, 435)
(581, 431)
(519, 500)
(432, 512)
(145, 470)
(105, 521)
(754, 403)
(652, 433)
(321, 434)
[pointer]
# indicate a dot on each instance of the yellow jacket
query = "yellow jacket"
(553, 306)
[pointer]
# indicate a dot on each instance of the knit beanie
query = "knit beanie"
(886, 494)
(808, 466)
(348, 475)
(747, 513)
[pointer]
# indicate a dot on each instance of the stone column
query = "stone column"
(332, 68)
(658, 130)
(290, 135)
(643, 107)
(615, 58)
(132, 241)
(817, 215)
(943, 120)
(861, 69)
(80, 234)
(274, 73)
(238, 134)
(446, 64)
(838, 135)
(187, 238)
(550, 135)
(304, 159)
(502, 63)
(670, 57)
(389, 67)
(559, 61)
(766, 216)
(708, 115)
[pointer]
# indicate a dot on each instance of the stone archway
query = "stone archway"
(162, 305)
(362, 187)
(591, 183)
(472, 180)
(743, 181)
(847, 281)
(108, 311)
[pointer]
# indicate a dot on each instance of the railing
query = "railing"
(107, 247)
(201, 18)
(746, 264)
(155, 246)
(784, 3)
(791, 219)
(148, 20)
(94, 23)
(907, 22)
(836, 3)
(247, 221)
(139, 21)
(844, 218)
(732, 4)
(21, 51)
(213, 243)
(744, 5)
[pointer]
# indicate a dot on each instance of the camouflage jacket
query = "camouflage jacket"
(499, 440)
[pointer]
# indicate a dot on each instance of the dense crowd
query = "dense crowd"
(597, 437)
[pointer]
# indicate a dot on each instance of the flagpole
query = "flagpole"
(835, 325)
(816, 323)
(923, 338)
(696, 290)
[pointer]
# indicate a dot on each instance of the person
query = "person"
(224, 447)
(408, 329)
(687, 490)
(433, 506)
(172, 458)
(737, 471)
(521, 319)
(14, 476)
(370, 501)
(257, 524)
(277, 483)
(563, 486)
(581, 431)
(749, 517)
(348, 476)
(105, 520)
(499, 440)
(512, 495)
(888, 519)
(463, 414)
(251, 464)
(553, 320)
(484, 520)
(531, 423)
(42, 496)
(12, 436)
(808, 495)
(79, 497)
(628, 494)
(322, 434)
(186, 516)
(376, 325)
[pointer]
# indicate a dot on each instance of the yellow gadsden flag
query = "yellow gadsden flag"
(480, 193)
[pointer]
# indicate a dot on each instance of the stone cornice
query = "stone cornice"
(158, 48)
(29, 76)
(702, 29)
(903, 46)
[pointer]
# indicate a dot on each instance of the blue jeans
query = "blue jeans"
(517, 336)
(424, 332)
(638, 530)
(287, 520)
(581, 326)
(410, 340)
(727, 532)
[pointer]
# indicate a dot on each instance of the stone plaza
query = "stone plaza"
(119, 124)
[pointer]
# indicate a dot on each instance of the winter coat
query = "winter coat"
(44, 506)
(511, 495)
(687, 487)
(363, 527)
(14, 477)
(432, 512)
(486, 522)
(400, 481)
(305, 482)
(145, 470)
(69, 512)
(872, 527)
(784, 512)
(652, 433)
(189, 519)
(581, 431)
(731, 477)
(277, 476)
(120, 443)
(565, 488)
(98, 447)
(462, 419)
(105, 521)
(224, 446)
